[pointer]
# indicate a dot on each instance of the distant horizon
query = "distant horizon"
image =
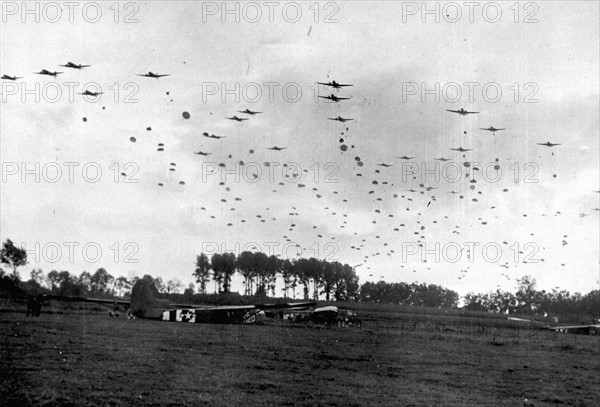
(237, 284)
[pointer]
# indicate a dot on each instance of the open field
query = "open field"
(86, 358)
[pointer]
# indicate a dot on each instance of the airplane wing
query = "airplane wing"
(104, 301)
(453, 111)
(572, 327)
(227, 314)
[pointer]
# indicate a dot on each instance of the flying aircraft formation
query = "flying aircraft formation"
(395, 209)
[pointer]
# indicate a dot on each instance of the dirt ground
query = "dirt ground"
(84, 359)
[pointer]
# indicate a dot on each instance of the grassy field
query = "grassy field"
(84, 358)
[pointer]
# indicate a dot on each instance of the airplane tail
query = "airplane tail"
(143, 303)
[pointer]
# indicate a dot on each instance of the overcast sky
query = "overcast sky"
(539, 200)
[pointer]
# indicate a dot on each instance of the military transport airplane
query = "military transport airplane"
(11, 78)
(462, 150)
(90, 93)
(237, 119)
(334, 84)
(143, 304)
(333, 98)
(248, 111)
(75, 66)
(153, 75)
(45, 72)
(385, 165)
(548, 144)
(492, 129)
(339, 119)
(442, 159)
(404, 157)
(213, 136)
(276, 148)
(202, 153)
(461, 112)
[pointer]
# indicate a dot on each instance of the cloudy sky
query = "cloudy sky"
(523, 208)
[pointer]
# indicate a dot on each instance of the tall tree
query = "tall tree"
(218, 273)
(329, 277)
(85, 280)
(223, 268)
(13, 257)
(315, 272)
(261, 266)
(245, 263)
(101, 281)
(351, 283)
(274, 265)
(202, 272)
(54, 280)
(526, 295)
(37, 275)
(287, 272)
(302, 271)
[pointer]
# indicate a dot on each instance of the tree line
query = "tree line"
(415, 294)
(527, 300)
(261, 272)
(312, 277)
